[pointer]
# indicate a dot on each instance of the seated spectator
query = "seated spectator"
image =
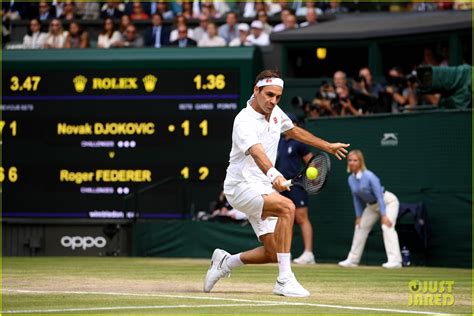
(125, 21)
(200, 31)
(89, 10)
(335, 7)
(211, 39)
(251, 8)
(258, 37)
(109, 35)
(244, 31)
(45, 11)
(163, 8)
(69, 11)
(309, 6)
(291, 22)
(138, 14)
(187, 10)
(131, 38)
(56, 36)
(111, 9)
(34, 38)
(311, 18)
(158, 35)
(183, 39)
(212, 8)
(229, 31)
(77, 37)
(180, 20)
(168, 9)
(11, 11)
(263, 17)
(283, 15)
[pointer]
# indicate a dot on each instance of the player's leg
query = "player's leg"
(252, 204)
(361, 232)
(279, 206)
(390, 236)
(300, 199)
(302, 219)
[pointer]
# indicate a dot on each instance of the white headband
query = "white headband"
(270, 82)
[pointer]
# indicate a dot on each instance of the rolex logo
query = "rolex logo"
(150, 82)
(79, 83)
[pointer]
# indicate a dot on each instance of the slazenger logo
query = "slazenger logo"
(85, 242)
(389, 139)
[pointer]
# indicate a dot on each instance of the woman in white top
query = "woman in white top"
(34, 39)
(211, 39)
(109, 35)
(56, 35)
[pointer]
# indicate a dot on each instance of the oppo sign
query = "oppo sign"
(83, 242)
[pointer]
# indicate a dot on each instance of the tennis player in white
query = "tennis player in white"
(252, 184)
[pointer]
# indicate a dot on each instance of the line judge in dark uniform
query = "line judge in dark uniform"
(183, 39)
(291, 155)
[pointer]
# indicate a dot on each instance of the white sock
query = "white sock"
(234, 261)
(284, 265)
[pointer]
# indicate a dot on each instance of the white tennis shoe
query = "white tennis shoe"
(392, 265)
(290, 287)
(305, 258)
(348, 264)
(218, 269)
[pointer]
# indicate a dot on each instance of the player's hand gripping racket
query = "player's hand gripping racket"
(322, 163)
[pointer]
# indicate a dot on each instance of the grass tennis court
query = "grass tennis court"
(105, 285)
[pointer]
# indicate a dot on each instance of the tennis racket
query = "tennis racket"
(321, 162)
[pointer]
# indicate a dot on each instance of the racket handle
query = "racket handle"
(288, 183)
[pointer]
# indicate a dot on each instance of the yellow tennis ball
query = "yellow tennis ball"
(311, 173)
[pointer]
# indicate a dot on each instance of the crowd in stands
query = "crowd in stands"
(119, 29)
(363, 95)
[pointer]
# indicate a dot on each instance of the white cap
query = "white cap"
(243, 27)
(257, 24)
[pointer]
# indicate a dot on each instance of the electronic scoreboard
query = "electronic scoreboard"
(78, 141)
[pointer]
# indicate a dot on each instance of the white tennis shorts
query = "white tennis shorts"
(248, 198)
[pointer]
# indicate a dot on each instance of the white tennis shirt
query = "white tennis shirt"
(250, 128)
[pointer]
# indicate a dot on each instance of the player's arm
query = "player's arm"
(337, 149)
(307, 158)
(263, 162)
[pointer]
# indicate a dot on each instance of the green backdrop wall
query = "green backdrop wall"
(421, 157)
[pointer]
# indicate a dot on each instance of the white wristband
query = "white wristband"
(273, 173)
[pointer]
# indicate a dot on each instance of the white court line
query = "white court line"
(213, 298)
(111, 308)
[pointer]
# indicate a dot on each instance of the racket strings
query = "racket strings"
(322, 163)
